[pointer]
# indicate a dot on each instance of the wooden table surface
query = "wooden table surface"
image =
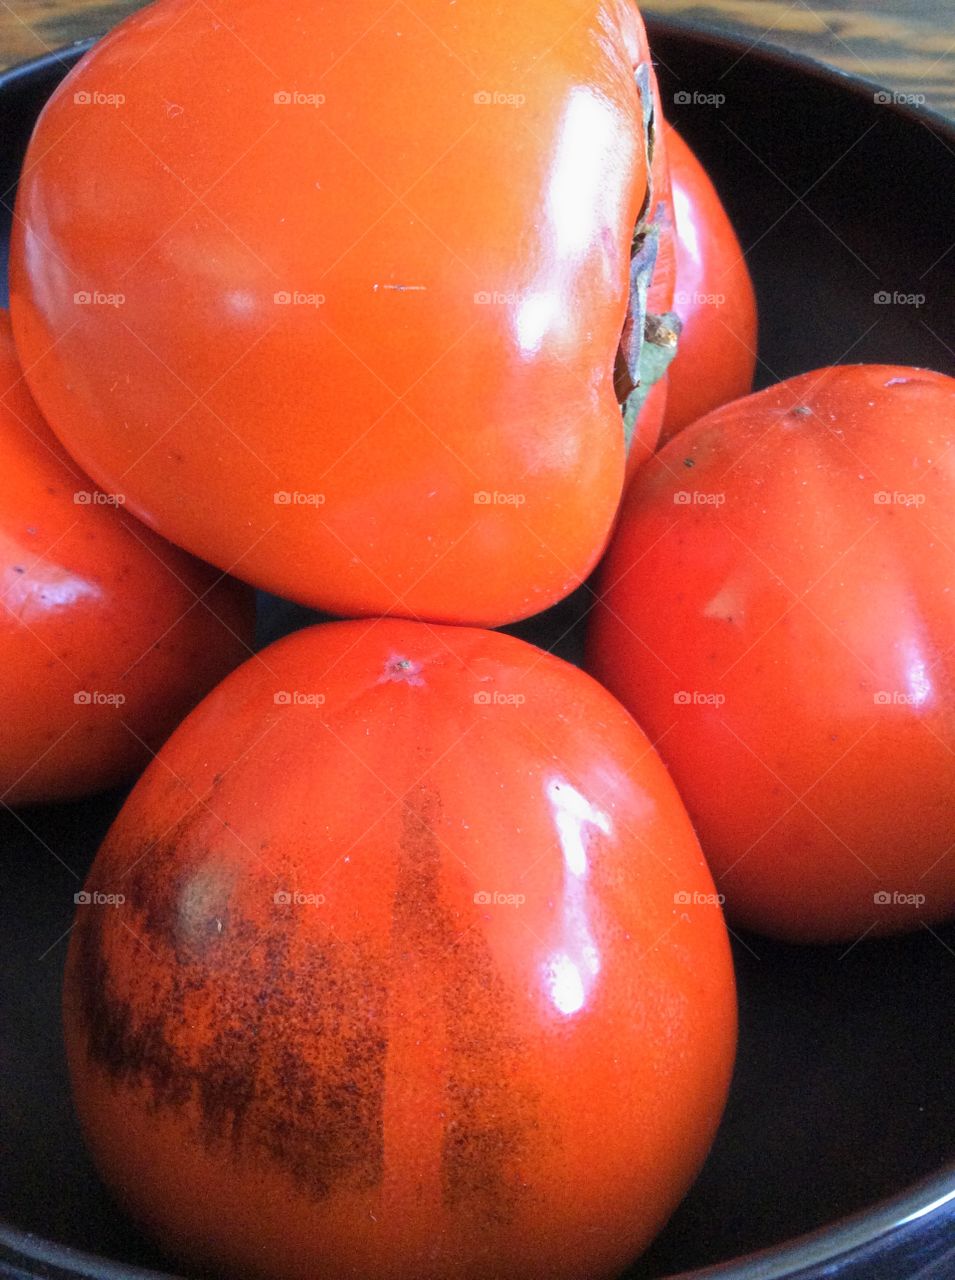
(906, 45)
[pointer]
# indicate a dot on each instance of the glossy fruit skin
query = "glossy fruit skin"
(786, 637)
(93, 607)
(411, 1077)
(715, 299)
(345, 367)
(662, 290)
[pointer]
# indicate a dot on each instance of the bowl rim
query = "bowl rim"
(770, 51)
(825, 1246)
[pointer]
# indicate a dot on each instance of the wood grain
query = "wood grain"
(906, 45)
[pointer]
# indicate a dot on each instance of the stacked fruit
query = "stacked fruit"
(420, 968)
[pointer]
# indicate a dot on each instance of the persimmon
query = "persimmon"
(777, 611)
(714, 298)
(108, 635)
(401, 961)
(343, 318)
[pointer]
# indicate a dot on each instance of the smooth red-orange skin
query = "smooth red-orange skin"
(716, 356)
(402, 1080)
(824, 618)
(92, 603)
(472, 258)
(663, 287)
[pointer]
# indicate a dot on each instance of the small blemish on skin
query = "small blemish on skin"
(399, 668)
(910, 381)
(689, 462)
(801, 411)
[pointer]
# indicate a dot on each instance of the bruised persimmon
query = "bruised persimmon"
(401, 961)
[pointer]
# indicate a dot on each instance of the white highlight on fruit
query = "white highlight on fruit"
(570, 973)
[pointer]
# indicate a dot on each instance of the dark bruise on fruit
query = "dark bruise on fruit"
(275, 1004)
(490, 1117)
(490, 1114)
(292, 1060)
